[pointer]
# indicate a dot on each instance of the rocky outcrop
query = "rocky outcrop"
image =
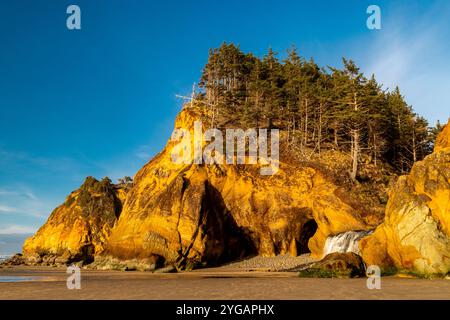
(15, 260)
(336, 265)
(78, 229)
(443, 139)
(196, 214)
(416, 232)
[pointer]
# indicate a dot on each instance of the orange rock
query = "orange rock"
(416, 232)
(443, 139)
(79, 228)
(191, 213)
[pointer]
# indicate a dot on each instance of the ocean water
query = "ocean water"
(15, 279)
(11, 244)
(4, 257)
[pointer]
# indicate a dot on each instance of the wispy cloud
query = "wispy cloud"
(8, 209)
(27, 194)
(413, 54)
(22, 202)
(21, 162)
(17, 229)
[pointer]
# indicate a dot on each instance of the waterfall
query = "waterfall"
(344, 242)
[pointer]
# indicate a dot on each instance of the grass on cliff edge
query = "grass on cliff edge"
(320, 273)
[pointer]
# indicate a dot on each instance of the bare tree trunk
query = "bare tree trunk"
(355, 135)
(375, 149)
(301, 128)
(293, 129)
(306, 122)
(335, 132)
(355, 154)
(288, 133)
(319, 134)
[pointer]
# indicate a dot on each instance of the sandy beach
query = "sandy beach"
(212, 283)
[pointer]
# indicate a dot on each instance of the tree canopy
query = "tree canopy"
(317, 108)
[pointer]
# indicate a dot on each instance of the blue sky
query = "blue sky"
(101, 100)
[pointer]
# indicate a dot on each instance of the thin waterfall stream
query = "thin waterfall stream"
(344, 242)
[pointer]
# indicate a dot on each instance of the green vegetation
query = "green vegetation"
(332, 273)
(323, 273)
(98, 199)
(125, 182)
(389, 271)
(69, 201)
(421, 275)
(317, 109)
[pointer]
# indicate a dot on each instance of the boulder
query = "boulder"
(443, 139)
(15, 260)
(415, 235)
(336, 265)
(78, 229)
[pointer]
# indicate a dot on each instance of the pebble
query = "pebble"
(277, 263)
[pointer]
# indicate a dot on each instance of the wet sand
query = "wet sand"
(214, 283)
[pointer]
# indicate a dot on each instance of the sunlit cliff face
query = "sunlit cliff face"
(191, 214)
(416, 232)
(213, 213)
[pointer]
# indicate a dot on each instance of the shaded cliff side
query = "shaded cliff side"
(416, 232)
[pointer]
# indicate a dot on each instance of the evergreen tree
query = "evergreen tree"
(352, 110)
(317, 109)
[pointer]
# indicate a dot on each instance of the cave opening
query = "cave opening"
(308, 230)
(226, 240)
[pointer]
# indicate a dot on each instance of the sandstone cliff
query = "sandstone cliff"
(78, 229)
(197, 214)
(190, 214)
(416, 232)
(443, 139)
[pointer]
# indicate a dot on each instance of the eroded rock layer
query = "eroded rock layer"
(443, 139)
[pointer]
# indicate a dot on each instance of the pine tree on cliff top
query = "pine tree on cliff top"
(317, 109)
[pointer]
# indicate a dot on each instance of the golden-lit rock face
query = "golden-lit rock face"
(78, 229)
(191, 213)
(416, 232)
(443, 139)
(194, 214)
